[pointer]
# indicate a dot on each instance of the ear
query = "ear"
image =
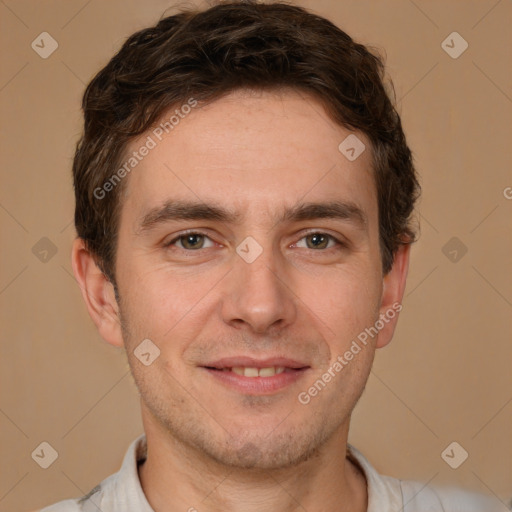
(393, 287)
(98, 293)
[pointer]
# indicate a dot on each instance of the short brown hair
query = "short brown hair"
(208, 54)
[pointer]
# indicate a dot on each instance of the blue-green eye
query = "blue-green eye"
(319, 240)
(191, 241)
(194, 241)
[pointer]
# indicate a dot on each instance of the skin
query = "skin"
(210, 446)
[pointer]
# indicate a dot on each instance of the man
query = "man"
(243, 200)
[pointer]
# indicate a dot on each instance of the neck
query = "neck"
(176, 477)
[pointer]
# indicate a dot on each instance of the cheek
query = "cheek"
(161, 304)
(344, 300)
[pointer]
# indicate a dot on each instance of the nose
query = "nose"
(258, 295)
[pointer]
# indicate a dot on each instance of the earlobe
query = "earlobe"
(392, 293)
(98, 294)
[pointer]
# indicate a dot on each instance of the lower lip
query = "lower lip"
(257, 385)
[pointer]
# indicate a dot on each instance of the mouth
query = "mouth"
(252, 372)
(256, 377)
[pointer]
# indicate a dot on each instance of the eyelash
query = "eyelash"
(338, 242)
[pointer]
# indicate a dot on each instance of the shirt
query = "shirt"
(122, 491)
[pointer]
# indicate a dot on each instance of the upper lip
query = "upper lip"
(252, 362)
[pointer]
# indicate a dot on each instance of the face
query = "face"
(248, 254)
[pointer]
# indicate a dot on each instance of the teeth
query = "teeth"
(267, 372)
(251, 372)
(258, 372)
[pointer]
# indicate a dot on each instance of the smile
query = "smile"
(256, 378)
(270, 371)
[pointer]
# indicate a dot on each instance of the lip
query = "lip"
(252, 362)
(294, 370)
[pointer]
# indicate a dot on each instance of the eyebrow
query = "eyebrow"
(190, 210)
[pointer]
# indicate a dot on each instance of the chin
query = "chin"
(266, 452)
(261, 445)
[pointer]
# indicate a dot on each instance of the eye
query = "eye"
(191, 241)
(318, 240)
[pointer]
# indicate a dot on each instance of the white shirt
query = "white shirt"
(122, 492)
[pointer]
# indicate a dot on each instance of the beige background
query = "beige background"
(446, 376)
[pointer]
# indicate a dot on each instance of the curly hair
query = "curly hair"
(206, 54)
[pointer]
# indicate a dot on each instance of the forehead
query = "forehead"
(252, 151)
